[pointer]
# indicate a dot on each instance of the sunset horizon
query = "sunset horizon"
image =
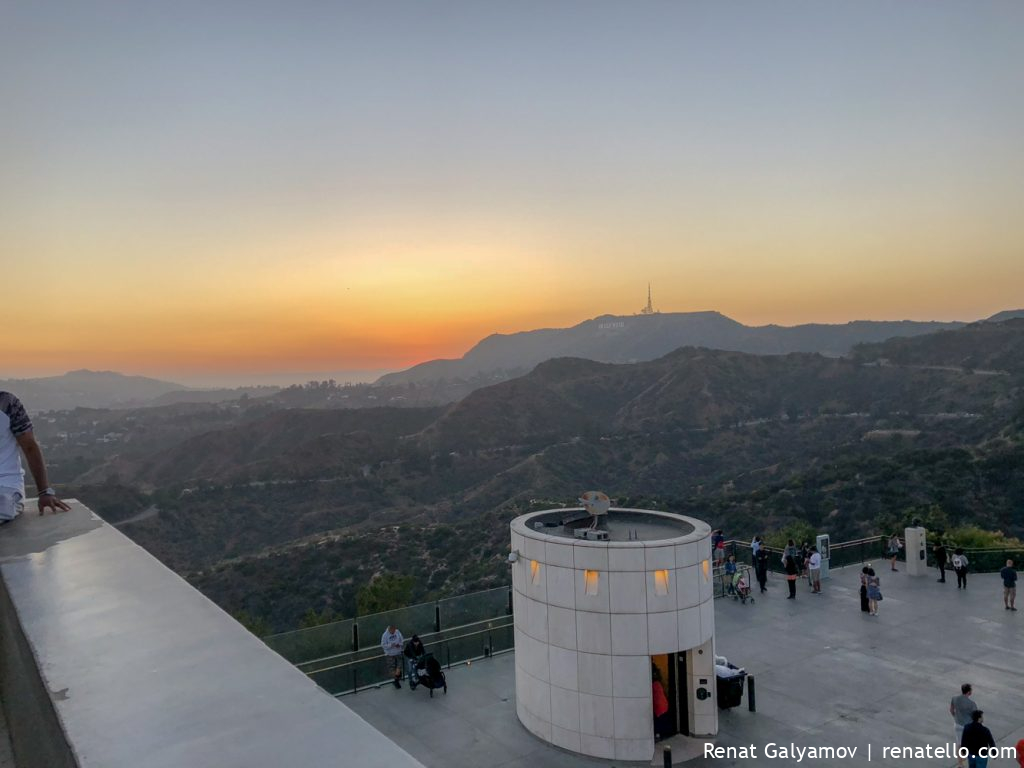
(231, 191)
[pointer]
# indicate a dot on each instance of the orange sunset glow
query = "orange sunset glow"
(362, 197)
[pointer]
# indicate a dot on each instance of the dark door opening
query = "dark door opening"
(669, 671)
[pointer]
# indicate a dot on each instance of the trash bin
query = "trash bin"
(729, 681)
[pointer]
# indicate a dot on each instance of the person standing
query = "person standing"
(961, 707)
(792, 572)
(864, 607)
(17, 439)
(960, 564)
(662, 726)
(1009, 575)
(940, 561)
(893, 549)
(718, 546)
(730, 573)
(814, 570)
(755, 547)
(874, 592)
(392, 643)
(761, 568)
(977, 738)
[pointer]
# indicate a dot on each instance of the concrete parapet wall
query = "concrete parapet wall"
(110, 660)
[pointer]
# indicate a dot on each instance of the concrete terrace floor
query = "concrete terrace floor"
(826, 675)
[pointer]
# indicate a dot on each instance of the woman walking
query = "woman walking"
(864, 589)
(792, 571)
(874, 592)
(893, 549)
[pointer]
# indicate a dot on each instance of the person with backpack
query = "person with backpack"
(960, 563)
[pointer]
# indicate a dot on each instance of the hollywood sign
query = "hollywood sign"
(606, 326)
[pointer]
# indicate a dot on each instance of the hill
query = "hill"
(276, 510)
(634, 338)
(986, 347)
(87, 389)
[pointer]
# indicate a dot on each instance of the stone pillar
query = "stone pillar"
(917, 551)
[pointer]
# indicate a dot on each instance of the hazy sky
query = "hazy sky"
(195, 188)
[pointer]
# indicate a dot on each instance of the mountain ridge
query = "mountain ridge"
(636, 338)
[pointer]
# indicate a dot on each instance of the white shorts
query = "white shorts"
(10, 504)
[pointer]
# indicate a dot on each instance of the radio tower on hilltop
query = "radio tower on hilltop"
(649, 309)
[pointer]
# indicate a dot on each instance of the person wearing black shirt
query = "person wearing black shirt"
(761, 568)
(940, 561)
(792, 571)
(1009, 585)
(976, 738)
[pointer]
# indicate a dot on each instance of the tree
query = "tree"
(255, 624)
(314, 619)
(384, 593)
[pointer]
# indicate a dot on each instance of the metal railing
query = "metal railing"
(874, 549)
(356, 640)
(345, 656)
(358, 670)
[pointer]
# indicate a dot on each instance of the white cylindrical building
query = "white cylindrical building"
(602, 613)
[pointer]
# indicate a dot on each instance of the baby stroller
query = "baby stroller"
(429, 674)
(741, 587)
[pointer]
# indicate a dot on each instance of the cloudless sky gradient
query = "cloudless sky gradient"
(190, 189)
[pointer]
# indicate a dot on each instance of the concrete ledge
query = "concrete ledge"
(113, 661)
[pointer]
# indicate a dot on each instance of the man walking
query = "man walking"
(16, 438)
(961, 708)
(814, 570)
(392, 643)
(1009, 585)
(977, 738)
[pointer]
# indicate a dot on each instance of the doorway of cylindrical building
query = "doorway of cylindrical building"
(671, 714)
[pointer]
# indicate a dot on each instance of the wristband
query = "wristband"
(47, 492)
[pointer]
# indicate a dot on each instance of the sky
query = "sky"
(198, 190)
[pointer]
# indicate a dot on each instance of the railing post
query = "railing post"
(437, 617)
(355, 680)
(508, 608)
(751, 701)
(666, 756)
(355, 636)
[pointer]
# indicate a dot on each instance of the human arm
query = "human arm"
(37, 466)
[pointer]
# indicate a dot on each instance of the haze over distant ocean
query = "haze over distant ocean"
(273, 378)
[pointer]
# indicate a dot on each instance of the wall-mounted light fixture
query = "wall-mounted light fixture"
(590, 582)
(535, 573)
(706, 567)
(661, 582)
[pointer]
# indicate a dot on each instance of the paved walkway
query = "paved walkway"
(826, 675)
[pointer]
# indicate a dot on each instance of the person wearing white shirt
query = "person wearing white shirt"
(814, 570)
(17, 438)
(392, 643)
